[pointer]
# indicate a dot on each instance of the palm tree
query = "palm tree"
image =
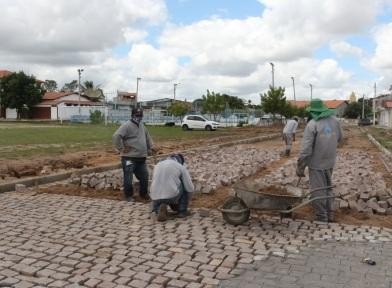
(93, 92)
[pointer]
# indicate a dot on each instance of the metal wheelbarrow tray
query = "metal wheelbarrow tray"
(248, 195)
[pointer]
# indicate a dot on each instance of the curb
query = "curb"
(40, 180)
(379, 146)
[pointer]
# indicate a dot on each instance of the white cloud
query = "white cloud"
(67, 29)
(383, 56)
(343, 48)
(228, 56)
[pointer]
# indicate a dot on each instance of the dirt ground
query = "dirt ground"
(355, 141)
(17, 169)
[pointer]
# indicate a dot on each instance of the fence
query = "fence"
(80, 114)
(228, 118)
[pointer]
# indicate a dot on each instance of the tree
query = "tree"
(50, 85)
(70, 87)
(179, 108)
(89, 85)
(274, 101)
(20, 91)
(95, 93)
(354, 110)
(213, 103)
(233, 102)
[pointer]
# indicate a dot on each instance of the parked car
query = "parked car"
(198, 122)
(364, 122)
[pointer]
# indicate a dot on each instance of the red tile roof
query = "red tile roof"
(299, 104)
(331, 104)
(126, 94)
(388, 104)
(4, 73)
(55, 95)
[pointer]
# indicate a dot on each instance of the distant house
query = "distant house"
(52, 102)
(124, 101)
(338, 105)
(383, 109)
(158, 104)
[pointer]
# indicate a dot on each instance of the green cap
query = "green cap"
(318, 110)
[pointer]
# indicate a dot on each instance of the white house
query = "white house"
(62, 105)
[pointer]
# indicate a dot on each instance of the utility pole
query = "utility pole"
(137, 89)
(311, 92)
(374, 104)
(273, 76)
(174, 90)
(292, 78)
(79, 74)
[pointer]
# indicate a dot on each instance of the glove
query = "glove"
(301, 165)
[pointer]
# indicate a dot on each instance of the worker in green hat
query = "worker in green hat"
(318, 152)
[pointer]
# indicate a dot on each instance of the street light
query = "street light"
(137, 89)
(79, 73)
(311, 92)
(174, 89)
(292, 78)
(273, 69)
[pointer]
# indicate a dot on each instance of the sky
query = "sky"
(225, 46)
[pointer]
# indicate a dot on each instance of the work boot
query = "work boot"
(162, 213)
(183, 214)
(129, 199)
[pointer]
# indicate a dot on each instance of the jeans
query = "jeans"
(182, 200)
(139, 168)
(322, 207)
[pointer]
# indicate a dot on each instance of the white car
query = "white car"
(198, 122)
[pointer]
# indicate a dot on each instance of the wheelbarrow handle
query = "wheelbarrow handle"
(306, 203)
(318, 189)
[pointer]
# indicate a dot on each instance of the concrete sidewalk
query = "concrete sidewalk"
(63, 241)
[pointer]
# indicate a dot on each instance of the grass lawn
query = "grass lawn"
(26, 140)
(384, 136)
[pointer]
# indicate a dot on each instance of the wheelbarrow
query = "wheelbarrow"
(248, 195)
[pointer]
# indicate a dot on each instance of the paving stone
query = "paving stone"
(114, 236)
(176, 283)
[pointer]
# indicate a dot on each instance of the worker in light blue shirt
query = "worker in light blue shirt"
(289, 134)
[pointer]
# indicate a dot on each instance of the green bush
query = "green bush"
(97, 117)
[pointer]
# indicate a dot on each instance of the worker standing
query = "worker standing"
(134, 143)
(289, 134)
(318, 152)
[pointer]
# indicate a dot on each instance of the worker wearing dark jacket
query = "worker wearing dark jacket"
(134, 143)
(318, 152)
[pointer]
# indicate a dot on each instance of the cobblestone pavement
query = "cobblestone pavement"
(63, 241)
(328, 264)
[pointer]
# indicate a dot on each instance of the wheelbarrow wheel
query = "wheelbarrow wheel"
(235, 203)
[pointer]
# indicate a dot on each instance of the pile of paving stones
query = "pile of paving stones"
(358, 186)
(209, 169)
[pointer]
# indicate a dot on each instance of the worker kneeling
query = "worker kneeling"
(171, 185)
